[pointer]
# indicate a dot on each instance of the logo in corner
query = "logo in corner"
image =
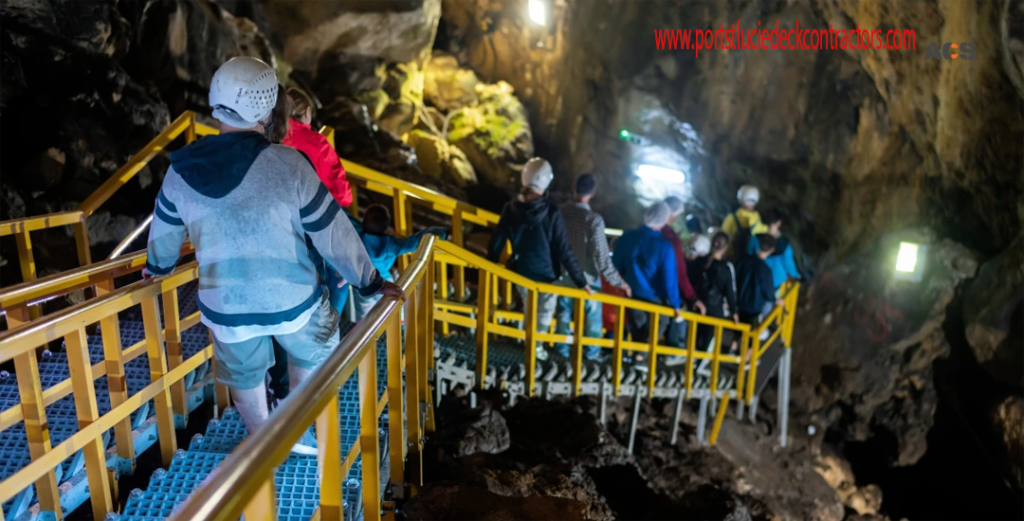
(951, 51)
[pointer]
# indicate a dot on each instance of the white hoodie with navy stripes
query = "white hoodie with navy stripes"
(248, 206)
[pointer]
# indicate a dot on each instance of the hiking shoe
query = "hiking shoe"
(542, 354)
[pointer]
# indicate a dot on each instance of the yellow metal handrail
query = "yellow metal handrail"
(162, 345)
(489, 275)
(244, 483)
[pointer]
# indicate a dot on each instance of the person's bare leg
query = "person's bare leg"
(252, 406)
(297, 375)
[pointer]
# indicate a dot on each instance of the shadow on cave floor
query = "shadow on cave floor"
(961, 475)
(630, 497)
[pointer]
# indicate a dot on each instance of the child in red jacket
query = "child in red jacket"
(312, 143)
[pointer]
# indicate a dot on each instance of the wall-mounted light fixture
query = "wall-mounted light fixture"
(910, 261)
(658, 174)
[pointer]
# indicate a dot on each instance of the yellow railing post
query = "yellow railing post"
(26, 259)
(755, 346)
(414, 472)
(442, 288)
(82, 242)
(368, 437)
(426, 336)
(428, 333)
(740, 368)
(114, 361)
(716, 359)
(719, 417)
(328, 441)
(190, 131)
(483, 313)
(175, 356)
(620, 328)
(36, 429)
(577, 346)
(262, 506)
(460, 272)
(157, 369)
(652, 355)
(353, 209)
(691, 348)
(85, 406)
(530, 345)
(396, 448)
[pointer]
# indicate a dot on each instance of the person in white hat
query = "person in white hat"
(540, 244)
(648, 263)
(249, 206)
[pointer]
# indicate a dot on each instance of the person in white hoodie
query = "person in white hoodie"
(248, 207)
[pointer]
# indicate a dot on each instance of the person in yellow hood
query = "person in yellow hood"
(745, 222)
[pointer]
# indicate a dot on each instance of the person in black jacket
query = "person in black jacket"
(540, 244)
(756, 289)
(716, 287)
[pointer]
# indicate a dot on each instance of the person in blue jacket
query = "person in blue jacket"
(648, 263)
(781, 262)
(384, 249)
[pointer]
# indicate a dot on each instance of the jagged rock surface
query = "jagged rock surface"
(1009, 421)
(994, 315)
(868, 342)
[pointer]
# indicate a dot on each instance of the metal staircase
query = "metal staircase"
(486, 350)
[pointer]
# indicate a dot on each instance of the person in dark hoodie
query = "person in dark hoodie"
(756, 292)
(716, 285)
(540, 244)
(248, 206)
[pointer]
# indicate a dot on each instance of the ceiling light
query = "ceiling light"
(657, 174)
(538, 12)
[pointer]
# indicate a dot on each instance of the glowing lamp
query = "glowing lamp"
(909, 261)
(538, 12)
(657, 174)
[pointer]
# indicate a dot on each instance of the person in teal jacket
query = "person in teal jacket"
(781, 262)
(384, 249)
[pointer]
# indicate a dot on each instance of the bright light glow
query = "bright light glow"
(655, 174)
(538, 12)
(906, 260)
(131, 238)
(624, 134)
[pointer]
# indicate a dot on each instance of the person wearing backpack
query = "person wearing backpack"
(745, 222)
(716, 287)
(540, 244)
(781, 262)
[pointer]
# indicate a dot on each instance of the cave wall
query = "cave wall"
(848, 143)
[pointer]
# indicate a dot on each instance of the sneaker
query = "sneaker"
(765, 334)
(306, 445)
(673, 361)
(542, 354)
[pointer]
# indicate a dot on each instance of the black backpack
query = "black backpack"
(738, 245)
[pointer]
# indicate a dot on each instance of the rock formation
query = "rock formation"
(994, 315)
(1009, 420)
(866, 342)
